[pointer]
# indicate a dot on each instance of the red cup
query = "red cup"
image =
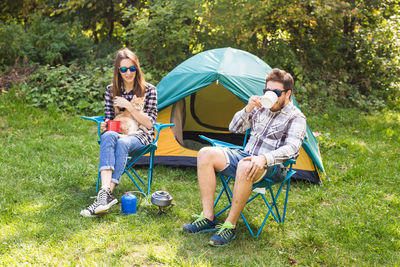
(113, 126)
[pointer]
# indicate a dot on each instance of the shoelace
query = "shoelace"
(199, 218)
(102, 198)
(95, 204)
(224, 226)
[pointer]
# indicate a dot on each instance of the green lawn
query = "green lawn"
(48, 170)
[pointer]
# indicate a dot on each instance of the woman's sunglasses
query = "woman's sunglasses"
(125, 69)
(277, 92)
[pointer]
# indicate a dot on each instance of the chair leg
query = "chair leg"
(98, 181)
(228, 192)
(150, 172)
(274, 198)
(286, 200)
(133, 180)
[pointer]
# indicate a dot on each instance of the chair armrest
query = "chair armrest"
(218, 143)
(160, 126)
(289, 162)
(98, 120)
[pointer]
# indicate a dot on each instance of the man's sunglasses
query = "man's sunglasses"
(125, 69)
(277, 92)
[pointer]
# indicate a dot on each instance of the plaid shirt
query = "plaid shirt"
(150, 108)
(276, 135)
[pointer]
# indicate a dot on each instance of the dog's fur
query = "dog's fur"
(129, 126)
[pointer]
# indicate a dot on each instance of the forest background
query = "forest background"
(59, 54)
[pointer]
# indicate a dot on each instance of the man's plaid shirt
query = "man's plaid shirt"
(150, 108)
(276, 135)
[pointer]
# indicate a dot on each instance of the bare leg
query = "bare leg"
(241, 191)
(106, 179)
(209, 160)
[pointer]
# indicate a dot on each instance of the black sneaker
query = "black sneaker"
(200, 224)
(226, 233)
(103, 203)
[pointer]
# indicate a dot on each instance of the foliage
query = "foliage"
(99, 19)
(162, 33)
(52, 43)
(72, 88)
(337, 45)
(345, 52)
(50, 162)
(42, 41)
(13, 43)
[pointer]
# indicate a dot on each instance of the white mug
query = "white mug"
(268, 99)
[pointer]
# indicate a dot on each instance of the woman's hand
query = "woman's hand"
(103, 126)
(254, 101)
(121, 102)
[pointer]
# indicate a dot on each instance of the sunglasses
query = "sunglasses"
(277, 92)
(125, 69)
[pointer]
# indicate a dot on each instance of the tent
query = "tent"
(201, 95)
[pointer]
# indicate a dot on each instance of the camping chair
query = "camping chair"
(259, 188)
(134, 157)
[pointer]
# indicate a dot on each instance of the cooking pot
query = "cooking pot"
(161, 198)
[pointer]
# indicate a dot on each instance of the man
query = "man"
(276, 136)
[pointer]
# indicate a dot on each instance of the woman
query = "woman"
(114, 148)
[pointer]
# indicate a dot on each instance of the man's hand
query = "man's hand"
(254, 101)
(257, 163)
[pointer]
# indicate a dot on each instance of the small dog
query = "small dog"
(129, 126)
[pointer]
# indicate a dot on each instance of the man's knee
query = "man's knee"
(241, 169)
(206, 154)
(211, 156)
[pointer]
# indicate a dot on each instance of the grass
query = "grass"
(48, 169)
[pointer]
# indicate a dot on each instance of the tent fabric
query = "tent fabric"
(202, 94)
(227, 65)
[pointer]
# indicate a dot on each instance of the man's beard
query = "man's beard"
(280, 106)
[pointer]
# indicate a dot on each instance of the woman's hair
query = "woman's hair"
(139, 85)
(281, 76)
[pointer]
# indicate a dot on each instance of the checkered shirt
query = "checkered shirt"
(150, 108)
(276, 135)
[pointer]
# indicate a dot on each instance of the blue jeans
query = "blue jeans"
(114, 151)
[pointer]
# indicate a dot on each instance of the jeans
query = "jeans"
(114, 151)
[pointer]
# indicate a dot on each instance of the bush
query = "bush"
(13, 43)
(44, 42)
(72, 88)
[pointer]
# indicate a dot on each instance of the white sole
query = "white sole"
(101, 209)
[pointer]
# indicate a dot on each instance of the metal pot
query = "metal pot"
(161, 198)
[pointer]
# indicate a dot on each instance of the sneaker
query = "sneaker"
(103, 203)
(226, 233)
(200, 224)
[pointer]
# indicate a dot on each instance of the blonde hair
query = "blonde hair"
(139, 85)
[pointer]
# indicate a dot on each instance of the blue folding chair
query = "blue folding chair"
(265, 184)
(134, 157)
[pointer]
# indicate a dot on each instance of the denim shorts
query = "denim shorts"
(233, 156)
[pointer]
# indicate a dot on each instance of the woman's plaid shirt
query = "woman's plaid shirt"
(276, 135)
(150, 108)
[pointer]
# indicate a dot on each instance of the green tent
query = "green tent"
(202, 94)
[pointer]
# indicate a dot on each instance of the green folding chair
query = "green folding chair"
(139, 182)
(266, 185)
